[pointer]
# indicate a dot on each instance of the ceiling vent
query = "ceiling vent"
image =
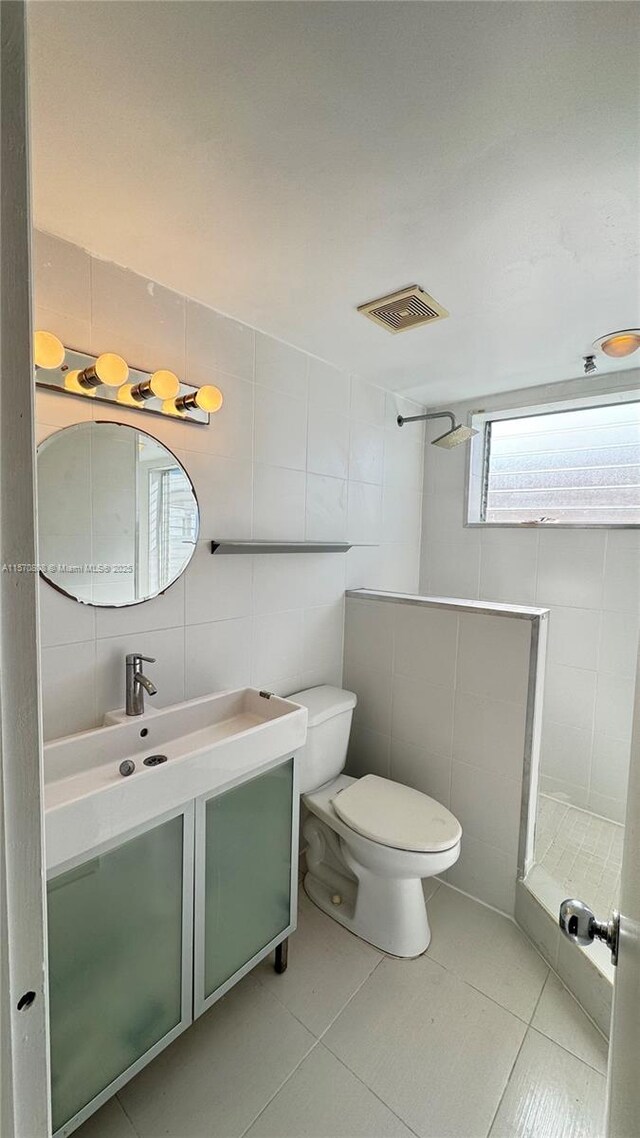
(402, 310)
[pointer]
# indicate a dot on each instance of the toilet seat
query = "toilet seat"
(396, 815)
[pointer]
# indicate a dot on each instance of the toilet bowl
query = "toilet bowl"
(370, 841)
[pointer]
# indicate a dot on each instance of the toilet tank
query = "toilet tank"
(325, 752)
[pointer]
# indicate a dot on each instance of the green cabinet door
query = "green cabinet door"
(119, 934)
(244, 871)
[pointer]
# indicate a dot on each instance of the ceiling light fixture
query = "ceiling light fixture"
(617, 345)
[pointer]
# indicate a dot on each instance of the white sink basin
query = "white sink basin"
(210, 743)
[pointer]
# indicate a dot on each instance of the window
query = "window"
(575, 463)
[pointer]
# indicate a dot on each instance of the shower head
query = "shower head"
(456, 435)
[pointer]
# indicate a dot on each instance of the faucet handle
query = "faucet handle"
(135, 658)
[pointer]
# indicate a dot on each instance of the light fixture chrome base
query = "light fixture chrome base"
(53, 379)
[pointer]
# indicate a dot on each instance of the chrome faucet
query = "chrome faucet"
(137, 683)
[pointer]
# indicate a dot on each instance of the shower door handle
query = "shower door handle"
(579, 924)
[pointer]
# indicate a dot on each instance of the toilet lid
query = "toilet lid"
(396, 815)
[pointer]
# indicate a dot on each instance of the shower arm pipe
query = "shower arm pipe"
(402, 419)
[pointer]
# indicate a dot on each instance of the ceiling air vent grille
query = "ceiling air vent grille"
(408, 308)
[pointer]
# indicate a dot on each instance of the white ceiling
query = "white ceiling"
(286, 162)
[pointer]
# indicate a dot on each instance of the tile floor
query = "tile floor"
(580, 851)
(475, 1038)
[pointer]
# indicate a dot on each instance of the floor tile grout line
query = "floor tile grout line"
(507, 1082)
(126, 1114)
(317, 1039)
(578, 1058)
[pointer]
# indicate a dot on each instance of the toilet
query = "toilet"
(370, 841)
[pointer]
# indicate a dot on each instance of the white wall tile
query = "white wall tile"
(366, 452)
(369, 633)
(373, 690)
(569, 696)
(164, 611)
(329, 387)
(403, 460)
(279, 582)
(278, 503)
(401, 512)
(327, 443)
(217, 587)
(565, 752)
(422, 714)
(280, 429)
(614, 707)
(493, 657)
(619, 644)
(326, 508)
(622, 572)
(452, 568)
(364, 512)
(367, 402)
(218, 656)
(368, 753)
(167, 672)
(610, 767)
(277, 647)
(322, 635)
(487, 805)
(508, 566)
(230, 431)
(485, 872)
(62, 620)
(68, 689)
(224, 491)
(413, 766)
(137, 318)
(571, 568)
(74, 332)
(61, 277)
(426, 642)
(489, 733)
(215, 342)
(574, 636)
(281, 367)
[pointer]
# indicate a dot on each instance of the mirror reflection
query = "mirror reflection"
(117, 514)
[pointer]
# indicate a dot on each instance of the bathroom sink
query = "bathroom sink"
(198, 746)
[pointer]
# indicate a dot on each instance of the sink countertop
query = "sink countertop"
(211, 743)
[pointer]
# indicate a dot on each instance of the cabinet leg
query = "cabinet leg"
(282, 956)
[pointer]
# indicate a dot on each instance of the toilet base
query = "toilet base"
(408, 938)
(388, 912)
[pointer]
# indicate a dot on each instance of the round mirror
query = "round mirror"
(117, 514)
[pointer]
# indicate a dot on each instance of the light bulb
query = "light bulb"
(48, 350)
(111, 369)
(164, 384)
(621, 344)
(209, 398)
(125, 395)
(169, 408)
(71, 384)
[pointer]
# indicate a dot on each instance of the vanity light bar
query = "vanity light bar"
(108, 379)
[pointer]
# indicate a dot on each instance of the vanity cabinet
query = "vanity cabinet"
(120, 936)
(244, 879)
(153, 927)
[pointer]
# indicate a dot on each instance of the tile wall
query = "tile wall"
(442, 701)
(590, 580)
(299, 450)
